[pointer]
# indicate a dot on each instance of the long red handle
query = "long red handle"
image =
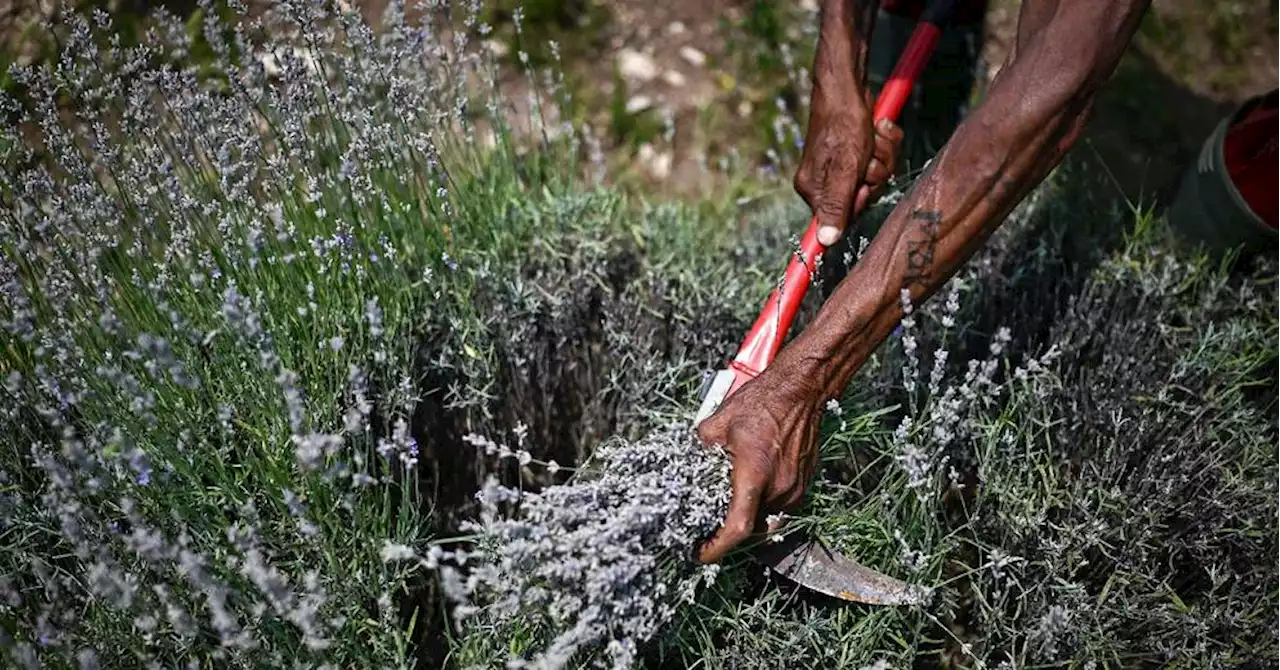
(766, 336)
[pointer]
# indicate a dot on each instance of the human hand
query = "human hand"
(769, 427)
(846, 161)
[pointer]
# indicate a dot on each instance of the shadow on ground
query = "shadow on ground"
(1147, 127)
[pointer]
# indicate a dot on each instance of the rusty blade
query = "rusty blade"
(811, 564)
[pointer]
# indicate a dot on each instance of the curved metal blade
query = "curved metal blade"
(812, 565)
(714, 390)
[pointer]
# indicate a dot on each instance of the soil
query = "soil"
(1192, 62)
(697, 68)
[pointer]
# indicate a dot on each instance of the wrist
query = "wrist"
(839, 71)
(839, 95)
(842, 335)
(817, 360)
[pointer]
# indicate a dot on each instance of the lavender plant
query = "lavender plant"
(1092, 487)
(248, 298)
(588, 571)
(208, 336)
(1142, 534)
(260, 277)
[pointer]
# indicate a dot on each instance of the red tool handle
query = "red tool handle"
(766, 336)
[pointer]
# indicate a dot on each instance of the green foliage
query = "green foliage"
(1111, 500)
(1113, 503)
(253, 335)
(576, 26)
(763, 26)
(627, 128)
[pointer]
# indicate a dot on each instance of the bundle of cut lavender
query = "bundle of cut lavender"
(587, 570)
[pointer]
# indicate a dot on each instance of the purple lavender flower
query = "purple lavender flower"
(141, 467)
(601, 562)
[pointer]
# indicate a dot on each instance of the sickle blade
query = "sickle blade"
(812, 565)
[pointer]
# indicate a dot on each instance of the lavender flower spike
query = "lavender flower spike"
(597, 565)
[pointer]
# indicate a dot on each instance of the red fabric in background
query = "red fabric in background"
(1251, 151)
(966, 12)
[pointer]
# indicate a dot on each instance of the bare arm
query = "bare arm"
(845, 160)
(1066, 50)
(844, 38)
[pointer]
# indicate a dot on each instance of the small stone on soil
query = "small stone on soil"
(693, 56)
(657, 164)
(638, 103)
(673, 78)
(635, 65)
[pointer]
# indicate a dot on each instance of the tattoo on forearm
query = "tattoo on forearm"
(920, 251)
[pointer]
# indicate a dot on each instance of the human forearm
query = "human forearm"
(840, 60)
(1034, 112)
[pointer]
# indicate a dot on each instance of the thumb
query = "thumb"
(832, 212)
(744, 508)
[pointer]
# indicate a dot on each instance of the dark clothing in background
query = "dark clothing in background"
(966, 12)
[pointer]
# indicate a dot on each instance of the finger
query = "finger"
(748, 487)
(885, 152)
(878, 176)
(890, 130)
(807, 465)
(832, 209)
(785, 500)
(795, 496)
(863, 198)
(795, 499)
(878, 172)
(712, 431)
(887, 143)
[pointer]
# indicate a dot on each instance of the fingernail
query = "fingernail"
(885, 124)
(828, 235)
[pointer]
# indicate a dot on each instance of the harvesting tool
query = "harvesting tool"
(806, 560)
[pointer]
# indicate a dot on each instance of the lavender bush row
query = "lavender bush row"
(207, 339)
(259, 279)
(255, 276)
(1096, 493)
(1143, 534)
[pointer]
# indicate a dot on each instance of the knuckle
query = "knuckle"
(784, 482)
(738, 527)
(779, 500)
(794, 498)
(803, 183)
(708, 433)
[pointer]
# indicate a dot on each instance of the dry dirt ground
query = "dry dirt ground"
(676, 86)
(1191, 63)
